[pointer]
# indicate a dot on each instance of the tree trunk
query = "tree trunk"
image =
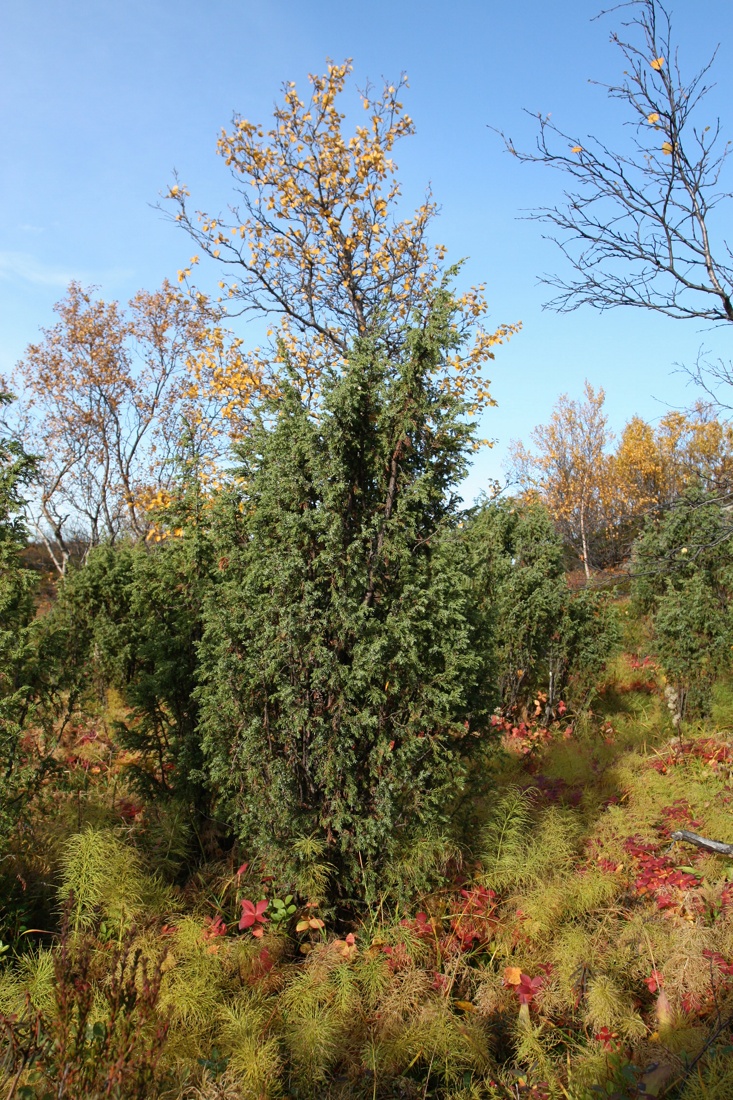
(584, 542)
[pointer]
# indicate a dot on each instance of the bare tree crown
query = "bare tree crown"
(636, 226)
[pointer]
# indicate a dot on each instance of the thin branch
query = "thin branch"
(634, 226)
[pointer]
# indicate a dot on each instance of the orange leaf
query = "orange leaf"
(512, 975)
(657, 63)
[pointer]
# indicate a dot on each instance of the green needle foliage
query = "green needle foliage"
(134, 612)
(16, 612)
(343, 682)
(545, 638)
(683, 577)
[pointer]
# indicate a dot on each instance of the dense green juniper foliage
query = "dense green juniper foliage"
(683, 577)
(16, 612)
(344, 686)
(135, 614)
(309, 665)
(546, 640)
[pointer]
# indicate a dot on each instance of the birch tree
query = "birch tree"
(641, 223)
(108, 395)
(567, 469)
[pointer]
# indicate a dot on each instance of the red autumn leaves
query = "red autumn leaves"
(526, 988)
(657, 876)
(253, 912)
(253, 915)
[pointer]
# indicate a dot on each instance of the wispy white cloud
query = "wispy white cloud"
(20, 265)
(29, 269)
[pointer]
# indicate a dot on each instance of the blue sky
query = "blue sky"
(100, 101)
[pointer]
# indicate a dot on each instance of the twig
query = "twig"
(718, 1031)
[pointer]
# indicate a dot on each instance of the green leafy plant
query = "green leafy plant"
(549, 645)
(17, 665)
(683, 576)
(282, 909)
(135, 612)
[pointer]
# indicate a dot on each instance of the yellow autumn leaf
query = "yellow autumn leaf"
(667, 148)
(657, 63)
(653, 117)
(465, 1006)
(577, 149)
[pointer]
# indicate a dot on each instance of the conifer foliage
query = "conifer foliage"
(16, 611)
(549, 644)
(339, 671)
(683, 577)
(342, 679)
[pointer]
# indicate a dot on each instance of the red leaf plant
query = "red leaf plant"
(658, 878)
(718, 960)
(654, 982)
(608, 1038)
(213, 927)
(528, 988)
(253, 915)
(475, 922)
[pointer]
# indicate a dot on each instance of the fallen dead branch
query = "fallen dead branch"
(717, 846)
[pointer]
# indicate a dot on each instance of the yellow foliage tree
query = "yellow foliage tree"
(641, 473)
(567, 471)
(314, 239)
(651, 468)
(108, 395)
(599, 497)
